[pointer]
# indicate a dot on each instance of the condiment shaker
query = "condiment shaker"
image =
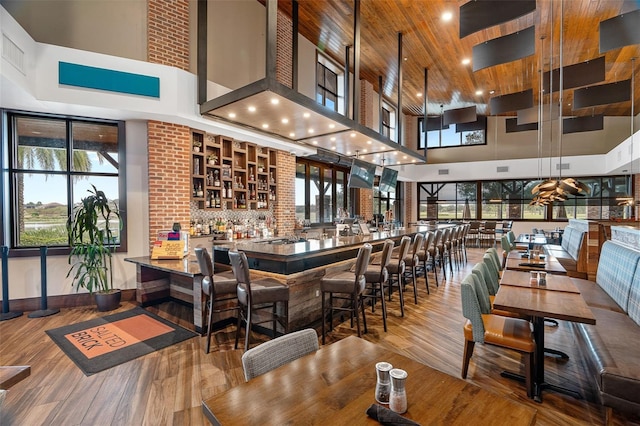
(383, 385)
(398, 397)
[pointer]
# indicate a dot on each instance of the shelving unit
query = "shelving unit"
(229, 174)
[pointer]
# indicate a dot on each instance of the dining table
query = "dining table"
(336, 385)
(540, 302)
(531, 239)
(522, 261)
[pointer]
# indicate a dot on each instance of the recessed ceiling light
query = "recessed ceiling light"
(285, 120)
(419, 94)
(348, 152)
(378, 155)
(369, 142)
(265, 126)
(405, 58)
(447, 16)
(275, 101)
(395, 152)
(252, 109)
(306, 115)
(232, 115)
(333, 139)
(315, 142)
(466, 61)
(404, 157)
(364, 150)
(491, 92)
(310, 130)
(353, 135)
(478, 92)
(413, 161)
(333, 148)
(331, 126)
(292, 134)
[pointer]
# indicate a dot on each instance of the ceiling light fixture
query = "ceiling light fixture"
(285, 120)
(447, 16)
(478, 92)
(306, 115)
(275, 101)
(252, 109)
(466, 61)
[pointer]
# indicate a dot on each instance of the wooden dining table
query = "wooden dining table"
(555, 282)
(518, 261)
(537, 303)
(336, 384)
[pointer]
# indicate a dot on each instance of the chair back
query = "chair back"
(429, 240)
(418, 239)
(482, 272)
(362, 260)
(490, 226)
(405, 243)
(493, 270)
(445, 238)
(277, 352)
(471, 308)
(240, 267)
(512, 238)
(474, 226)
(495, 256)
(387, 251)
(206, 269)
(437, 238)
(504, 243)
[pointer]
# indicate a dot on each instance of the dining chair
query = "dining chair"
(218, 288)
(376, 276)
(493, 252)
(277, 352)
(350, 286)
(484, 327)
(412, 261)
(488, 233)
(396, 269)
(491, 265)
(423, 255)
(443, 252)
(257, 297)
(434, 254)
(506, 249)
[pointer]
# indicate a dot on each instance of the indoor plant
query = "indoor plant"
(93, 242)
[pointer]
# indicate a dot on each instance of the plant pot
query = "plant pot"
(196, 149)
(212, 162)
(108, 300)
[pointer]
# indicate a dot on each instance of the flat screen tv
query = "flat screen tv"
(388, 180)
(362, 174)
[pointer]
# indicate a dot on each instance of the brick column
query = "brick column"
(285, 208)
(169, 144)
(284, 56)
(169, 176)
(410, 214)
(366, 104)
(366, 203)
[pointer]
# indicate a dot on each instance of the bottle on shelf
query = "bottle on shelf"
(251, 176)
(272, 180)
(199, 192)
(216, 200)
(216, 178)
(207, 200)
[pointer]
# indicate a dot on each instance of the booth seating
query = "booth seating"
(611, 347)
(572, 254)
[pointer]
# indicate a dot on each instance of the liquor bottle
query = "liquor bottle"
(216, 178)
(207, 200)
(253, 192)
(251, 177)
(217, 200)
(199, 192)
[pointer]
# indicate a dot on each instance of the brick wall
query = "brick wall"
(169, 176)
(285, 208)
(366, 203)
(284, 57)
(168, 33)
(366, 104)
(410, 214)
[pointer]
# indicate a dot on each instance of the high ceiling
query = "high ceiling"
(430, 42)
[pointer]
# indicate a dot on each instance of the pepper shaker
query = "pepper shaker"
(383, 384)
(398, 398)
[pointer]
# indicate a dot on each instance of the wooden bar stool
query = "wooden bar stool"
(260, 295)
(350, 285)
(219, 288)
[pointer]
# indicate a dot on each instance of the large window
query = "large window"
(51, 163)
(511, 199)
(320, 191)
(327, 89)
(449, 136)
(385, 201)
(388, 121)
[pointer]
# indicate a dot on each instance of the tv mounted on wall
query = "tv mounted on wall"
(361, 175)
(388, 180)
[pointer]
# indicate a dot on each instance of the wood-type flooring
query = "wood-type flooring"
(168, 386)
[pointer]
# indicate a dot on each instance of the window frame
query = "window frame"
(323, 168)
(460, 135)
(9, 211)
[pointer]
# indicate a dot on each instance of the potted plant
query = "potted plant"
(196, 146)
(213, 159)
(93, 242)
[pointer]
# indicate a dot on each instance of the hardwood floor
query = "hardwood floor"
(167, 386)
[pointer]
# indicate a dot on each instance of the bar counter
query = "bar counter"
(299, 265)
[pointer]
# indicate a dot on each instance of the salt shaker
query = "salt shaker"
(398, 398)
(542, 279)
(383, 385)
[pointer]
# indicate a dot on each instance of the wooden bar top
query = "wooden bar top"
(336, 384)
(555, 282)
(187, 266)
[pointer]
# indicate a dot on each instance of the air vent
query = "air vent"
(443, 171)
(563, 166)
(502, 169)
(12, 53)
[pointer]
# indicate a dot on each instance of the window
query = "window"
(384, 201)
(449, 135)
(52, 162)
(388, 121)
(327, 90)
(321, 189)
(510, 199)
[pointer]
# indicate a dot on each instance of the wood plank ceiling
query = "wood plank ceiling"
(432, 43)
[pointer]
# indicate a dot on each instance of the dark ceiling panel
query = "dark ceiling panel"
(504, 49)
(623, 30)
(583, 124)
(480, 14)
(460, 115)
(479, 124)
(513, 126)
(511, 102)
(435, 123)
(577, 75)
(602, 94)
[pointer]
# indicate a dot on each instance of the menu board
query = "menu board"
(168, 249)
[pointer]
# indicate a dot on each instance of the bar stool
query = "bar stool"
(351, 285)
(411, 262)
(396, 268)
(376, 276)
(219, 288)
(258, 296)
(434, 254)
